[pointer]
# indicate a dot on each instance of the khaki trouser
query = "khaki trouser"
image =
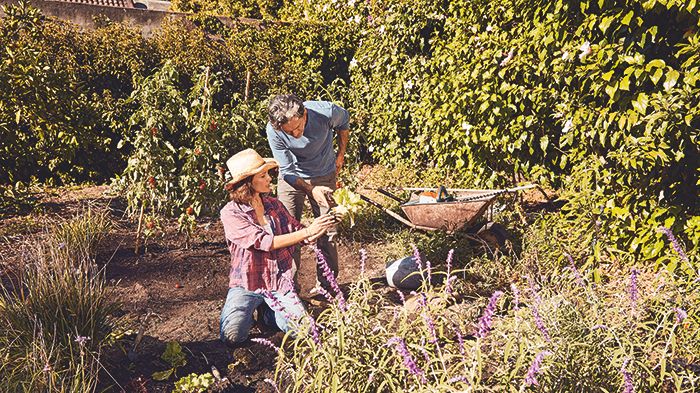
(293, 200)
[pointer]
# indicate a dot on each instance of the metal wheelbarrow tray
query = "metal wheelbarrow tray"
(468, 206)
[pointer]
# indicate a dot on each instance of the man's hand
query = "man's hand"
(339, 161)
(320, 195)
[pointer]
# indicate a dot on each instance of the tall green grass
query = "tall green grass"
(55, 314)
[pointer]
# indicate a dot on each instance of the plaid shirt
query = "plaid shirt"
(253, 264)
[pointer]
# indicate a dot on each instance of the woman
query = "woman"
(261, 236)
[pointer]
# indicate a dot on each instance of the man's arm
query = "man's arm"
(340, 123)
(343, 138)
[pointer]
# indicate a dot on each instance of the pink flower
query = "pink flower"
(585, 50)
(507, 59)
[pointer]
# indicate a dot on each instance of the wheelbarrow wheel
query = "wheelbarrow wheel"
(494, 235)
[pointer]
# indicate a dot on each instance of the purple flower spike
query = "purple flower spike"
(674, 243)
(429, 269)
(81, 340)
(276, 305)
(516, 296)
(487, 318)
(423, 300)
(408, 361)
(363, 261)
(325, 294)
(402, 297)
(540, 323)
(448, 284)
(330, 277)
(314, 330)
(416, 257)
(627, 377)
(448, 280)
(534, 370)
(460, 340)
(431, 327)
(266, 343)
(450, 256)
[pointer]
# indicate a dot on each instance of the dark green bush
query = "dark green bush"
(595, 96)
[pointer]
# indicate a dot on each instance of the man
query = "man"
(301, 138)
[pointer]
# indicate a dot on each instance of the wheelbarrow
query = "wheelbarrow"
(453, 209)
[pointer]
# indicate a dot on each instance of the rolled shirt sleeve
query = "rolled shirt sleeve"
(241, 230)
(340, 118)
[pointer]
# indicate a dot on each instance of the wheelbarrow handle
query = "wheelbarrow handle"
(390, 195)
(371, 202)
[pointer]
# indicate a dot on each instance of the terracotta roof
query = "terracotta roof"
(103, 3)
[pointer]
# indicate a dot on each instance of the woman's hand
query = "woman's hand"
(319, 226)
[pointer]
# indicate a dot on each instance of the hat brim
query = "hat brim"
(270, 163)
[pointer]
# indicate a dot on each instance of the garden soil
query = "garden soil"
(169, 292)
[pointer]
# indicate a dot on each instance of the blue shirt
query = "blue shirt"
(312, 154)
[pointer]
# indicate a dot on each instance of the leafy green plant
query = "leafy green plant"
(194, 383)
(174, 356)
(503, 91)
(348, 203)
(555, 330)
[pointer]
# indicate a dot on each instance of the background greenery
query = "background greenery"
(596, 98)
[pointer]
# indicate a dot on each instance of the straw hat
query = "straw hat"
(247, 163)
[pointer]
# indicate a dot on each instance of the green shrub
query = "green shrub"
(57, 313)
(553, 92)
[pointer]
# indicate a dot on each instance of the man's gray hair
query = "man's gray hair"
(283, 108)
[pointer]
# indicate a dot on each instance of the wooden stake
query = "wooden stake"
(247, 85)
(138, 231)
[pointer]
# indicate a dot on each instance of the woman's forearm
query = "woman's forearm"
(290, 239)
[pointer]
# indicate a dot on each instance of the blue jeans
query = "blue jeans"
(237, 313)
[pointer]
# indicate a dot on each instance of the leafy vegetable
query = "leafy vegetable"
(348, 202)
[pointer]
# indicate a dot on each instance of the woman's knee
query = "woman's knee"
(237, 315)
(232, 333)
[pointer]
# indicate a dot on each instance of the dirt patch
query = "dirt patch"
(169, 292)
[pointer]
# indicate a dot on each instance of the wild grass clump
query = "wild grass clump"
(560, 326)
(55, 313)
